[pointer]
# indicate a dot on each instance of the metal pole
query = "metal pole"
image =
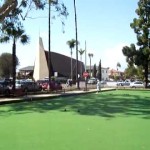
(85, 56)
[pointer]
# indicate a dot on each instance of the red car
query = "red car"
(53, 86)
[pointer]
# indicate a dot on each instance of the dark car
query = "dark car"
(53, 85)
(30, 86)
(4, 89)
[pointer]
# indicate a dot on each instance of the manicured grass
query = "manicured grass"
(115, 120)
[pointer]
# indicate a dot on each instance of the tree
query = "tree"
(133, 72)
(81, 52)
(94, 71)
(140, 25)
(71, 45)
(90, 56)
(76, 35)
(10, 5)
(6, 65)
(12, 29)
(11, 23)
(118, 65)
(99, 71)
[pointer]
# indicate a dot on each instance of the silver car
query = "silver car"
(137, 84)
(92, 81)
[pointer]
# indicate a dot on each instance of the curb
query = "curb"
(30, 98)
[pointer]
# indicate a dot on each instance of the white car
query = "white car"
(92, 81)
(137, 84)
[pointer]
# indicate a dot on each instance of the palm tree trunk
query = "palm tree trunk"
(14, 64)
(81, 64)
(77, 80)
(90, 66)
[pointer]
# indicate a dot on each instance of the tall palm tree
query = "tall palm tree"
(90, 56)
(81, 52)
(76, 31)
(71, 45)
(12, 29)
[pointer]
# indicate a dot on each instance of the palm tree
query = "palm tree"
(76, 33)
(12, 29)
(90, 56)
(81, 51)
(71, 45)
(118, 65)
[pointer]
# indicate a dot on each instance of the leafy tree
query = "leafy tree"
(11, 24)
(133, 72)
(7, 6)
(140, 25)
(130, 71)
(12, 29)
(99, 71)
(94, 71)
(6, 65)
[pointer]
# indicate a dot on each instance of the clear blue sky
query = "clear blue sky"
(104, 24)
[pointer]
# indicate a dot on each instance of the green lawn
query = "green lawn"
(114, 120)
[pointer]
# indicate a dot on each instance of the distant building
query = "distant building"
(104, 72)
(115, 73)
(60, 64)
(26, 71)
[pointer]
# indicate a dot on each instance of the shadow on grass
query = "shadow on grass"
(107, 104)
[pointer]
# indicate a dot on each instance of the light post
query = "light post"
(49, 39)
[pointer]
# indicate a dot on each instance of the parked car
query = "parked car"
(148, 85)
(103, 82)
(123, 83)
(53, 85)
(92, 81)
(28, 86)
(137, 84)
(4, 89)
(61, 79)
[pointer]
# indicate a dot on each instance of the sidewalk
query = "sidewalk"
(35, 97)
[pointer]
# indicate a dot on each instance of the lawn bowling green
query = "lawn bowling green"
(112, 120)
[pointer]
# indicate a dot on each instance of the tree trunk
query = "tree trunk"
(14, 64)
(146, 74)
(77, 80)
(90, 66)
(71, 65)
